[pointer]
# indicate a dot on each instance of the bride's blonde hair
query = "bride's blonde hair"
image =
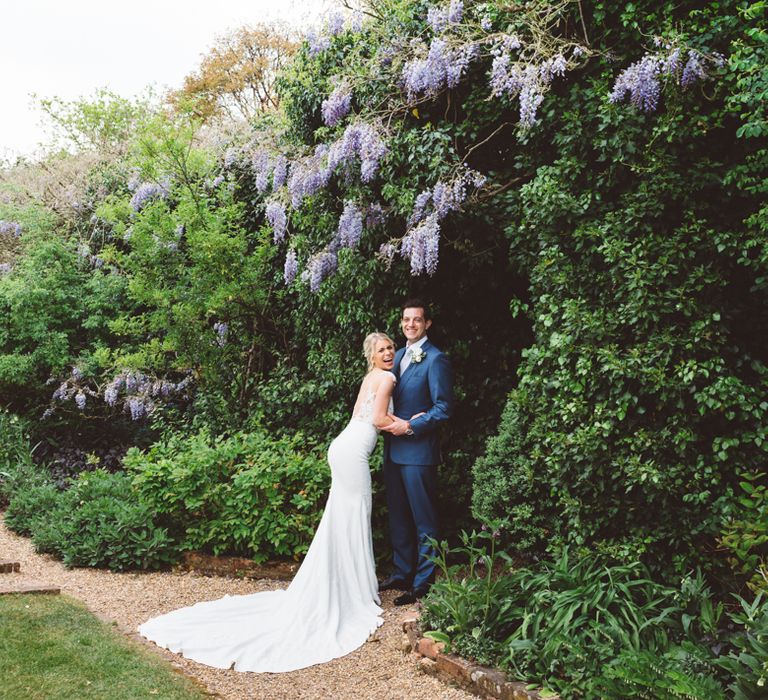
(369, 346)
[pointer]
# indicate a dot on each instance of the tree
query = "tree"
(236, 79)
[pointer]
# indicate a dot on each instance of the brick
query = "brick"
(429, 648)
(455, 669)
(8, 566)
(30, 588)
(411, 628)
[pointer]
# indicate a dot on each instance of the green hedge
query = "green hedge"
(247, 494)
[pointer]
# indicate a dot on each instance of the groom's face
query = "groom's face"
(414, 324)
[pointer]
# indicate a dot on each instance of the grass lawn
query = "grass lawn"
(52, 648)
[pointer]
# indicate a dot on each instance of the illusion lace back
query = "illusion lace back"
(331, 606)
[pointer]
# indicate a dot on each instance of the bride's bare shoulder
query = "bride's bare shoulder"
(383, 375)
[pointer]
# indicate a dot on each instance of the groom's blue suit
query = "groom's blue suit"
(410, 462)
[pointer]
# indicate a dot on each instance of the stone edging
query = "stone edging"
(485, 682)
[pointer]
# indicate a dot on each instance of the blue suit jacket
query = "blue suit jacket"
(425, 386)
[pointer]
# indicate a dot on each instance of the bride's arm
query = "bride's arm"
(381, 402)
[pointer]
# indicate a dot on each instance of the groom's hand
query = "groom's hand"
(397, 427)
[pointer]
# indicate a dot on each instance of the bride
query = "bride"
(331, 606)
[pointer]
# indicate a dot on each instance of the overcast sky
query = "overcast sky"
(69, 48)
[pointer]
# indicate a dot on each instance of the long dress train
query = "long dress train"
(331, 606)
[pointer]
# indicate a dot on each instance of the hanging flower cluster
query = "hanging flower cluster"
(10, 228)
(421, 244)
(441, 17)
(515, 78)
(221, 329)
(443, 67)
(139, 392)
(641, 82)
(147, 192)
(337, 105)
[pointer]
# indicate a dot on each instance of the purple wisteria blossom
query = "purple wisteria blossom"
(336, 106)
(421, 246)
(555, 66)
(356, 20)
(230, 158)
(387, 253)
(445, 197)
(375, 215)
(360, 141)
(320, 266)
(260, 166)
(80, 400)
(148, 192)
(5, 268)
(317, 42)
(437, 18)
(455, 11)
(525, 81)
(486, 24)
(10, 228)
(280, 171)
(275, 213)
(442, 68)
(309, 175)
(142, 392)
(334, 24)
(350, 226)
(641, 81)
(136, 407)
(694, 70)
(111, 394)
(221, 329)
(291, 267)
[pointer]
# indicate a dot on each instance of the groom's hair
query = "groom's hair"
(417, 303)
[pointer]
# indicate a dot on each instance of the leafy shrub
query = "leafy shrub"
(31, 502)
(248, 494)
(581, 626)
(748, 661)
(99, 522)
(15, 454)
(746, 533)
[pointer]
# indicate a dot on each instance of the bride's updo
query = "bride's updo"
(369, 346)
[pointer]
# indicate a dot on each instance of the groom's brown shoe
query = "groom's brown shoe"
(393, 583)
(411, 596)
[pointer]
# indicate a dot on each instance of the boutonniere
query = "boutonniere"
(417, 355)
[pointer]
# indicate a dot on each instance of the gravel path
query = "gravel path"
(378, 670)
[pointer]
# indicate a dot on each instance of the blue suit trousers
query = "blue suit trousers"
(411, 498)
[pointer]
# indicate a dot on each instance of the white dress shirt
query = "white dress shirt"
(406, 359)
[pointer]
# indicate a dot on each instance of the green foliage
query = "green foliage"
(15, 456)
(97, 521)
(580, 626)
(748, 662)
(645, 385)
(247, 494)
(746, 536)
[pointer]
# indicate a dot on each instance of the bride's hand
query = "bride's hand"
(423, 413)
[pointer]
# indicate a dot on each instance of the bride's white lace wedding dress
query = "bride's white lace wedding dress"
(331, 606)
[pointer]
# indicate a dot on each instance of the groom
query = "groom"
(423, 400)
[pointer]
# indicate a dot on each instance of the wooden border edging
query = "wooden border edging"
(485, 682)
